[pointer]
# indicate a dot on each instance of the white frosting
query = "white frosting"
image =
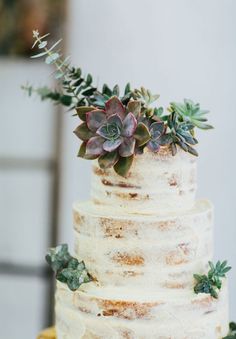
(155, 184)
(113, 313)
(130, 250)
(142, 238)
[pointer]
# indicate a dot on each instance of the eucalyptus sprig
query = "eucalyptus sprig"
(232, 331)
(67, 268)
(74, 89)
(212, 282)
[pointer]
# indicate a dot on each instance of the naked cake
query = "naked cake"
(142, 265)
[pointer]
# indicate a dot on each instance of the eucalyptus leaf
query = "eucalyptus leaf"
(50, 59)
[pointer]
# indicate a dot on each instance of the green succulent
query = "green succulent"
(232, 331)
(212, 282)
(68, 269)
(190, 112)
(58, 257)
(180, 133)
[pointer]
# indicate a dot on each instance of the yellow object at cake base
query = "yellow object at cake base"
(49, 333)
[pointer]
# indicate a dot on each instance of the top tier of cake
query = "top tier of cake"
(156, 184)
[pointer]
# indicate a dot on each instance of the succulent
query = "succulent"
(111, 134)
(212, 282)
(232, 331)
(58, 257)
(180, 133)
(67, 269)
(191, 113)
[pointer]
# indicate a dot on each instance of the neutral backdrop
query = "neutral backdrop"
(179, 49)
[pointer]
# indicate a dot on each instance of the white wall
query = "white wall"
(27, 133)
(179, 49)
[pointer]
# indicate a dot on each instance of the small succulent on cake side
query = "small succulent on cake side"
(232, 331)
(67, 269)
(117, 126)
(211, 282)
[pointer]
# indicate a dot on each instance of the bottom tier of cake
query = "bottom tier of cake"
(94, 312)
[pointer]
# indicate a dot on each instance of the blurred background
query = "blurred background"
(176, 48)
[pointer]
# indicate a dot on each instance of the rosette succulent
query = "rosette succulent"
(112, 134)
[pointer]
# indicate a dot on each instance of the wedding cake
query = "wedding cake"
(142, 238)
(142, 267)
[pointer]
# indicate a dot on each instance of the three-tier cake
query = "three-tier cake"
(143, 245)
(142, 239)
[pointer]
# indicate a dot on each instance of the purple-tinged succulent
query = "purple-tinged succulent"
(112, 134)
(156, 130)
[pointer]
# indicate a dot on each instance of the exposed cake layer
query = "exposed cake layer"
(131, 250)
(156, 183)
(118, 313)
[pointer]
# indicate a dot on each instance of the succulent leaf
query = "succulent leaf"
(82, 152)
(94, 146)
(158, 111)
(111, 145)
(81, 111)
(106, 90)
(129, 125)
(127, 88)
(173, 149)
(192, 150)
(166, 139)
(116, 91)
(83, 132)
(108, 160)
(115, 106)
(134, 107)
(95, 119)
(142, 134)
(123, 165)
(116, 120)
(156, 129)
(127, 147)
(153, 145)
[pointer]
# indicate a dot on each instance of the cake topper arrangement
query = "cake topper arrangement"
(115, 127)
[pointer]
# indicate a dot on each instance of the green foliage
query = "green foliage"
(116, 126)
(180, 133)
(190, 112)
(67, 269)
(212, 282)
(232, 331)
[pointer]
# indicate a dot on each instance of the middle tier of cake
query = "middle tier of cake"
(131, 250)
